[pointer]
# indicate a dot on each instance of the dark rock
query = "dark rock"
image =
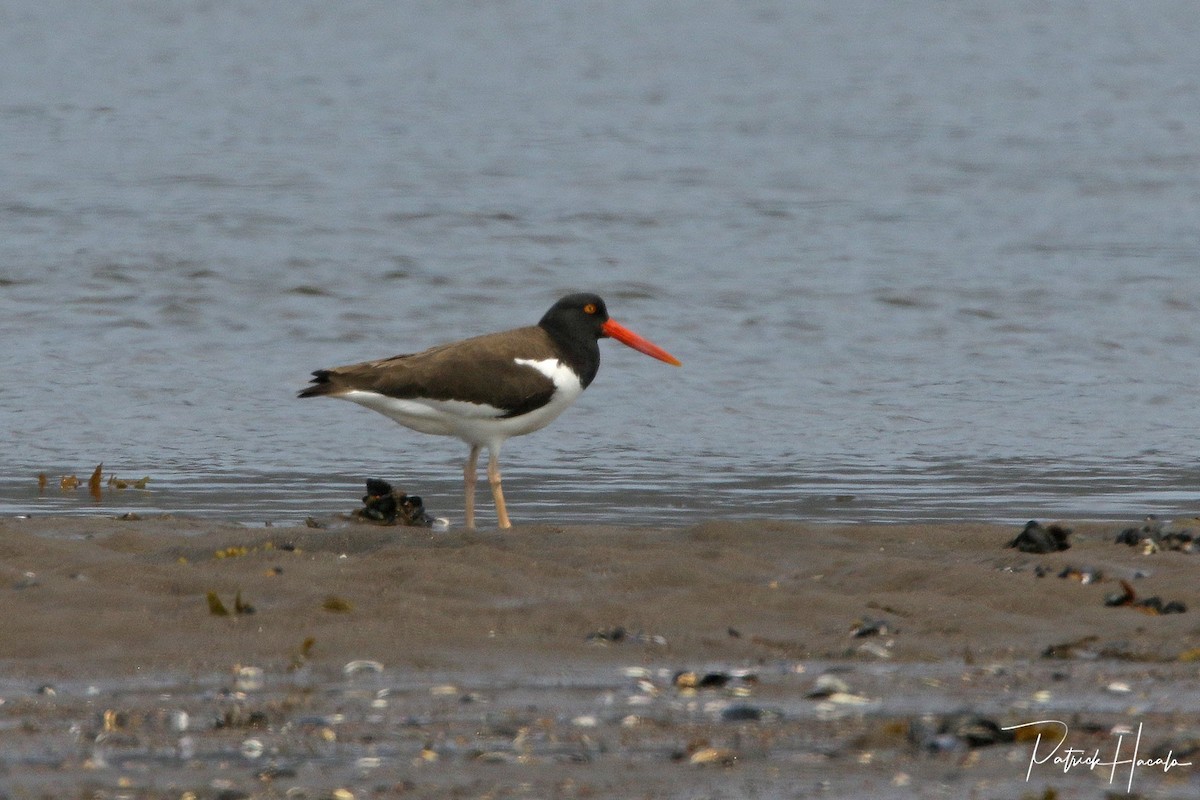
(872, 627)
(387, 506)
(748, 713)
(1037, 538)
(956, 731)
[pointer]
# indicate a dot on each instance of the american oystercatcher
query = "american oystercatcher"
(488, 388)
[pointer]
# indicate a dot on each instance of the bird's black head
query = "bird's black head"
(577, 321)
(577, 315)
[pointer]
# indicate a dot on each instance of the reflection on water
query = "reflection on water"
(1000, 492)
(941, 260)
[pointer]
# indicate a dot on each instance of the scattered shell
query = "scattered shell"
(1085, 575)
(826, 685)
(252, 748)
(248, 679)
(713, 757)
(362, 666)
(848, 699)
(875, 649)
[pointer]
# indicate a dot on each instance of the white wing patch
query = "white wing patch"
(562, 375)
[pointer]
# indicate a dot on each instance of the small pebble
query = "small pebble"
(827, 685)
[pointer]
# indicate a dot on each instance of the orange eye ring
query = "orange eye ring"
(590, 308)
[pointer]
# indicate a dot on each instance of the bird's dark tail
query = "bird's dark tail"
(321, 385)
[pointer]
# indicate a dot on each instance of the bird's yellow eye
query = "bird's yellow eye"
(590, 308)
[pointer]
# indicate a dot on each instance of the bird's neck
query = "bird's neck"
(581, 353)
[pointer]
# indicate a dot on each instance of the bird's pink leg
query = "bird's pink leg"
(497, 491)
(469, 484)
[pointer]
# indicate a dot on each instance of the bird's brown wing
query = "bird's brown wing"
(480, 370)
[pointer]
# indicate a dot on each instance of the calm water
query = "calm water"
(921, 260)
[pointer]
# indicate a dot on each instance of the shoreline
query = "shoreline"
(800, 588)
(836, 654)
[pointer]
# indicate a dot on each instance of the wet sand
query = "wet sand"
(359, 661)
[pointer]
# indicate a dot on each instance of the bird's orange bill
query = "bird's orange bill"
(631, 339)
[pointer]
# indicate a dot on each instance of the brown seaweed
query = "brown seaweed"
(215, 606)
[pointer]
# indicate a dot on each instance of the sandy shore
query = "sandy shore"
(542, 662)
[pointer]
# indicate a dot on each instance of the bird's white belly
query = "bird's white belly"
(476, 423)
